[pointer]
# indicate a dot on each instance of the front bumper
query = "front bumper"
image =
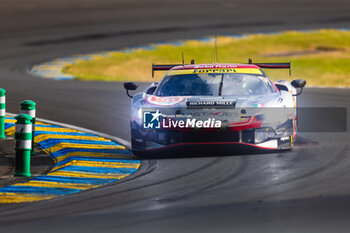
(199, 140)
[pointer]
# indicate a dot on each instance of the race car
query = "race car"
(197, 106)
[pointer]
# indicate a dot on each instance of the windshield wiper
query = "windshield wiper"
(221, 84)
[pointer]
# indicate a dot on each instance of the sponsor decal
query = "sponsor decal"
(231, 114)
(216, 70)
(208, 66)
(164, 101)
(259, 105)
(198, 104)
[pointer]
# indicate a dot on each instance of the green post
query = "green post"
(2, 112)
(28, 107)
(23, 138)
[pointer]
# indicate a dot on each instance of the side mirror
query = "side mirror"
(130, 86)
(298, 83)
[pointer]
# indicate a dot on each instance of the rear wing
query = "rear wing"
(162, 67)
(285, 65)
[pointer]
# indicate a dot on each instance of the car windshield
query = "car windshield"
(215, 84)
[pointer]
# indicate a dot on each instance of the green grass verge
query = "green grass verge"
(321, 57)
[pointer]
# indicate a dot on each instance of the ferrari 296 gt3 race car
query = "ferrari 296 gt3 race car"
(199, 105)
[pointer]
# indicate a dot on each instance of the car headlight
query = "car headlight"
(263, 134)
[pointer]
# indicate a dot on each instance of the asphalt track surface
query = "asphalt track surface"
(304, 190)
